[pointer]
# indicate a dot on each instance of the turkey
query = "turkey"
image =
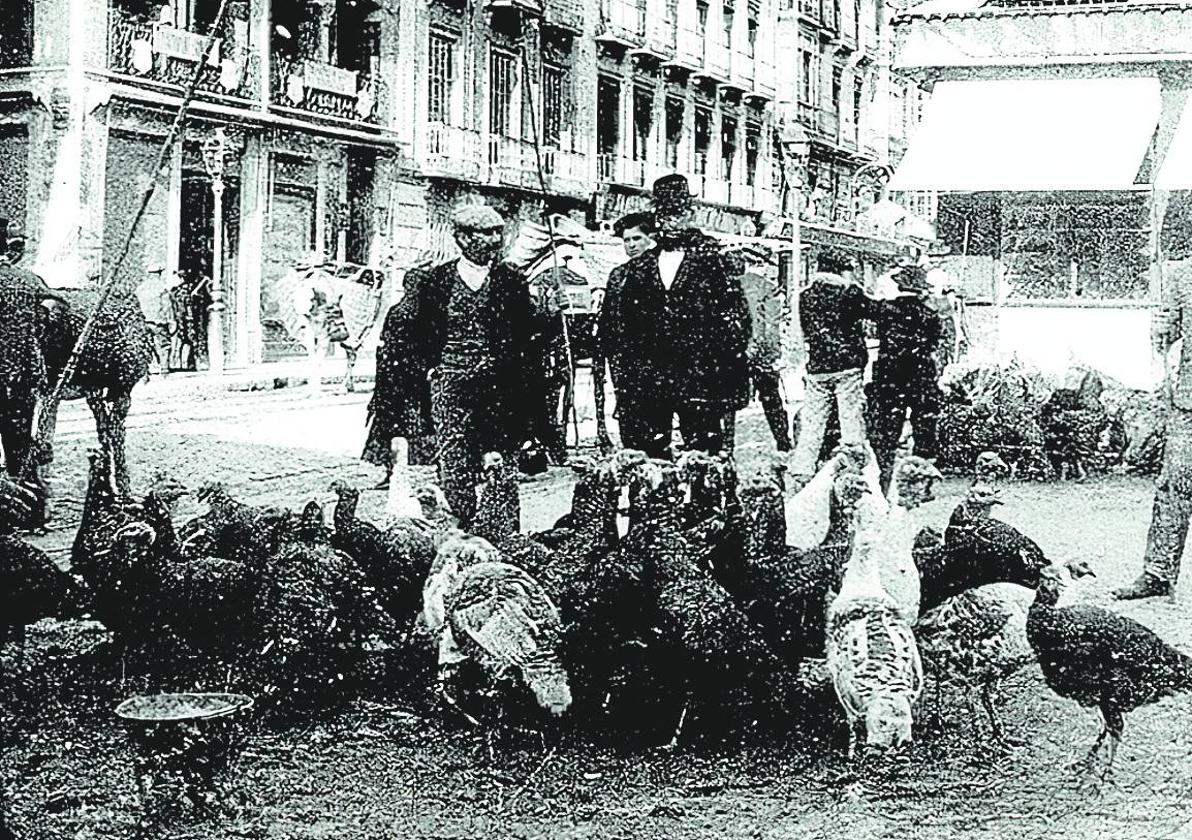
(871, 651)
(1098, 658)
(501, 618)
(33, 588)
(715, 650)
(396, 561)
(233, 529)
(453, 557)
(1073, 420)
(812, 518)
(115, 358)
(976, 639)
(893, 537)
(497, 517)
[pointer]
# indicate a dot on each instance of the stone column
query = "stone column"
(254, 199)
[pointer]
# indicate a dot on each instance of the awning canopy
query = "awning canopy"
(1031, 134)
(1175, 173)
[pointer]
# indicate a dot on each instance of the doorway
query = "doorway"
(193, 297)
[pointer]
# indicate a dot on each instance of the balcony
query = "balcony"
(715, 60)
(623, 22)
(660, 36)
(765, 80)
(566, 172)
(741, 71)
(565, 14)
(609, 167)
(168, 55)
(689, 48)
(324, 90)
(512, 163)
(451, 152)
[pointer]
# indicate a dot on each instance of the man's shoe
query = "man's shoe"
(1146, 586)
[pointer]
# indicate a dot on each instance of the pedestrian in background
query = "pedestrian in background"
(765, 296)
(22, 367)
(472, 319)
(400, 403)
(682, 325)
(905, 372)
(636, 231)
(831, 311)
(154, 296)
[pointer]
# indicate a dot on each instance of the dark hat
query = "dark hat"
(671, 194)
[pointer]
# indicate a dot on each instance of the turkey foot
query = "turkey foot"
(673, 743)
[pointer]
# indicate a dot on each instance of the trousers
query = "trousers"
(648, 427)
(17, 405)
(847, 390)
(463, 409)
(1172, 508)
(767, 384)
(897, 389)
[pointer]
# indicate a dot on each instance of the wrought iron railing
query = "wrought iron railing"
(324, 89)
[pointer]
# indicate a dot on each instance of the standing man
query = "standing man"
(22, 368)
(764, 295)
(636, 231)
(154, 297)
(473, 320)
(905, 375)
(682, 326)
(1173, 489)
(831, 310)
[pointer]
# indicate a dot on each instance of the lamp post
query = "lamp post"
(795, 147)
(215, 150)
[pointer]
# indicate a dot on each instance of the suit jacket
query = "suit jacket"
(511, 328)
(22, 362)
(686, 345)
(608, 322)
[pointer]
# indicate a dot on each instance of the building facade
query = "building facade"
(348, 130)
(1057, 145)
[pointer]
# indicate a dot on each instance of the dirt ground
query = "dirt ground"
(378, 769)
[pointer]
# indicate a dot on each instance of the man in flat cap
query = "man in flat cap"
(683, 326)
(472, 319)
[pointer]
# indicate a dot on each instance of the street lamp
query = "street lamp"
(215, 151)
(796, 146)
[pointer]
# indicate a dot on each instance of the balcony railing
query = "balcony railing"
(167, 54)
(741, 70)
(566, 172)
(324, 89)
(608, 167)
(715, 59)
(660, 36)
(452, 152)
(689, 47)
(623, 21)
(511, 162)
(567, 14)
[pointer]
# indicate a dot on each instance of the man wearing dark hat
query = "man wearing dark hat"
(472, 319)
(683, 327)
(905, 375)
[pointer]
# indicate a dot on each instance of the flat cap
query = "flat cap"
(476, 217)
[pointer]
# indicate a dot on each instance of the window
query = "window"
(752, 35)
(837, 77)
(729, 17)
(810, 67)
(753, 145)
(703, 138)
(728, 147)
(858, 96)
(441, 77)
(643, 122)
(608, 125)
(674, 130)
(502, 85)
(702, 10)
(554, 83)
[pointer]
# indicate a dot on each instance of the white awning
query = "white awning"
(1175, 173)
(1031, 134)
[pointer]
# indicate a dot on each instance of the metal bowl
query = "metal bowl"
(164, 708)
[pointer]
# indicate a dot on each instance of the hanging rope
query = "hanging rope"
(550, 227)
(163, 159)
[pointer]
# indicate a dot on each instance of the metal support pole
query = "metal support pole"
(215, 346)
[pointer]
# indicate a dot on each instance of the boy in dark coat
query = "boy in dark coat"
(682, 326)
(472, 320)
(904, 373)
